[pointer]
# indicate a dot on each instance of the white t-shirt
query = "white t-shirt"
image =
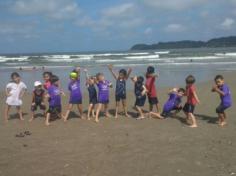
(15, 91)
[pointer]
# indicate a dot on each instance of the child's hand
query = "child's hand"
(63, 93)
(110, 85)
(214, 88)
(85, 70)
(110, 66)
(33, 104)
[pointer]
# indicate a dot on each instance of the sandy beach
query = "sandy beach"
(123, 146)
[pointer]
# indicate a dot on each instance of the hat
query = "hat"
(73, 75)
(37, 83)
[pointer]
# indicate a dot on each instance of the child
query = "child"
(140, 93)
(151, 88)
(38, 97)
(103, 95)
(14, 91)
(46, 77)
(226, 101)
(54, 95)
(192, 100)
(173, 103)
(75, 93)
(90, 83)
(121, 88)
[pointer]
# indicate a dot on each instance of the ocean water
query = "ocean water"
(171, 65)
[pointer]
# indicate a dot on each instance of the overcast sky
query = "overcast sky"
(102, 25)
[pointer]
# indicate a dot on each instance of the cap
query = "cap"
(73, 75)
(37, 83)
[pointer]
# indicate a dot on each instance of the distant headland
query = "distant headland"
(213, 43)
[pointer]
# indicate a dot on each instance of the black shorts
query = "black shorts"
(153, 100)
(176, 108)
(105, 102)
(93, 101)
(140, 101)
(54, 109)
(221, 109)
(35, 107)
(120, 97)
(188, 108)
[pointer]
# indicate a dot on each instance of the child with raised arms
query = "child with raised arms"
(140, 92)
(46, 78)
(120, 92)
(172, 104)
(151, 88)
(54, 97)
(103, 95)
(223, 90)
(38, 99)
(90, 83)
(15, 91)
(192, 100)
(75, 93)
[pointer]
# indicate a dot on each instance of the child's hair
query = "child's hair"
(181, 90)
(47, 73)
(98, 74)
(150, 70)
(123, 71)
(15, 74)
(219, 77)
(190, 79)
(54, 79)
(140, 81)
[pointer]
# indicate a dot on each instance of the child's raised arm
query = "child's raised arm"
(134, 79)
(110, 67)
(86, 73)
(128, 73)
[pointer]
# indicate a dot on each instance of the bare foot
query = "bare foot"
(22, 119)
(127, 115)
(47, 123)
(31, 119)
(193, 126)
(140, 118)
(116, 116)
(108, 115)
(88, 118)
(82, 117)
(96, 120)
(6, 120)
(222, 124)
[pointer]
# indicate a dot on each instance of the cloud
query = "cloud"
(13, 28)
(55, 9)
(227, 23)
(174, 4)
(148, 31)
(175, 28)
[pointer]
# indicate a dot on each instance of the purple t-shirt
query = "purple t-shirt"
(173, 101)
(226, 100)
(55, 96)
(103, 91)
(75, 92)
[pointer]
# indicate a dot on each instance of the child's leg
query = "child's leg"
(93, 110)
(70, 106)
(125, 108)
(107, 114)
(155, 115)
(141, 115)
(194, 122)
(47, 119)
(150, 107)
(98, 112)
(117, 108)
(157, 108)
(90, 109)
(19, 111)
(80, 108)
(7, 109)
(32, 116)
(222, 117)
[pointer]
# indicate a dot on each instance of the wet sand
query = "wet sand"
(123, 146)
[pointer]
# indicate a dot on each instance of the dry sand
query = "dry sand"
(124, 146)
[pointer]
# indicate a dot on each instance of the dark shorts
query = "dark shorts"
(54, 109)
(221, 109)
(153, 100)
(93, 101)
(140, 101)
(103, 101)
(75, 102)
(35, 107)
(176, 108)
(120, 97)
(188, 108)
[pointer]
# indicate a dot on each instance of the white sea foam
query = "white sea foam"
(143, 57)
(162, 52)
(226, 54)
(19, 59)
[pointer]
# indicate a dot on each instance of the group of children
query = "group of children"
(51, 91)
